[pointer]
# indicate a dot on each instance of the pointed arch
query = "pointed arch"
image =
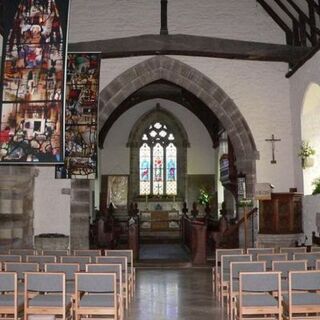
(181, 74)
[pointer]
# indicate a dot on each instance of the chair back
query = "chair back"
(260, 282)
(292, 250)
(21, 267)
(268, 258)
(304, 280)
(10, 258)
(56, 253)
(41, 260)
(311, 258)
(81, 260)
(68, 268)
(105, 268)
(23, 253)
(224, 252)
(114, 260)
(8, 282)
(315, 249)
(226, 261)
(88, 253)
(121, 253)
(95, 282)
(255, 251)
(285, 266)
(45, 282)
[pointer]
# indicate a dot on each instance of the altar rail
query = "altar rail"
(194, 236)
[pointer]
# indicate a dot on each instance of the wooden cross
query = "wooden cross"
(273, 141)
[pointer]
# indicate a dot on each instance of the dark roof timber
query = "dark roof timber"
(189, 45)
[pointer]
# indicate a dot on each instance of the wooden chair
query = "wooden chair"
(311, 258)
(96, 295)
(268, 258)
(257, 291)
(235, 269)
(292, 250)
(41, 260)
(81, 260)
(11, 304)
(111, 268)
(20, 268)
(225, 272)
(285, 267)
(255, 251)
(23, 253)
(303, 301)
(124, 265)
(56, 253)
(45, 294)
(216, 268)
(131, 268)
(69, 269)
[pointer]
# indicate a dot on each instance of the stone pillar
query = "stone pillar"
(16, 206)
(80, 214)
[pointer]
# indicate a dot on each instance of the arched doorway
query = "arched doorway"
(213, 107)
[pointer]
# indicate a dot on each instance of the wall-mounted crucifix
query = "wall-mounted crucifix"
(273, 144)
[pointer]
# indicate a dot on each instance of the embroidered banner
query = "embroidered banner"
(82, 92)
(33, 63)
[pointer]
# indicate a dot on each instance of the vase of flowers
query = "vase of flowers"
(306, 153)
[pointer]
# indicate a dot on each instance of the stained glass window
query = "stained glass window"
(145, 174)
(158, 149)
(171, 157)
(157, 169)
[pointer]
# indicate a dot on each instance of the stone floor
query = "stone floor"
(168, 294)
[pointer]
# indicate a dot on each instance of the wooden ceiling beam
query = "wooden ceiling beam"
(189, 45)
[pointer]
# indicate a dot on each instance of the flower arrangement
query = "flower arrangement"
(306, 151)
(204, 197)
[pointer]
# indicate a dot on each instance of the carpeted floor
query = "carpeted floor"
(172, 251)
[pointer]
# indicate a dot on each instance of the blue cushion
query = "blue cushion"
(259, 300)
(303, 298)
(50, 300)
(97, 300)
(7, 300)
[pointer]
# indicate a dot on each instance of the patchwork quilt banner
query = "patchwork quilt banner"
(32, 95)
(82, 92)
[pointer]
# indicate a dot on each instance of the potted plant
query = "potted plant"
(306, 151)
(316, 184)
(204, 197)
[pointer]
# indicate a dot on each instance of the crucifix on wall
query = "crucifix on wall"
(273, 141)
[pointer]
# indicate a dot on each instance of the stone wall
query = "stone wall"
(16, 206)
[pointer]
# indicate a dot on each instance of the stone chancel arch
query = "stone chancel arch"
(181, 74)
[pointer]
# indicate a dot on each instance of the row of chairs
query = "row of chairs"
(230, 263)
(95, 294)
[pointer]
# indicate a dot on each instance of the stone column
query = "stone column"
(79, 214)
(16, 206)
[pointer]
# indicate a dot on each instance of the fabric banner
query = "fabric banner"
(82, 92)
(33, 65)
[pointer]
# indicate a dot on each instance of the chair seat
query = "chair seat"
(50, 300)
(7, 300)
(97, 300)
(303, 298)
(259, 300)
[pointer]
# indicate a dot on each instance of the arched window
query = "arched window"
(158, 161)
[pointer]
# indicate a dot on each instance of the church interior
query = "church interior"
(163, 166)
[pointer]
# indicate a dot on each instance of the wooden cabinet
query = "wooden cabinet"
(282, 214)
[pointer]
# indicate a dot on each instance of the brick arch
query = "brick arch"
(181, 74)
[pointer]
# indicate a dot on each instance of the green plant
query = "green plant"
(316, 183)
(204, 197)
